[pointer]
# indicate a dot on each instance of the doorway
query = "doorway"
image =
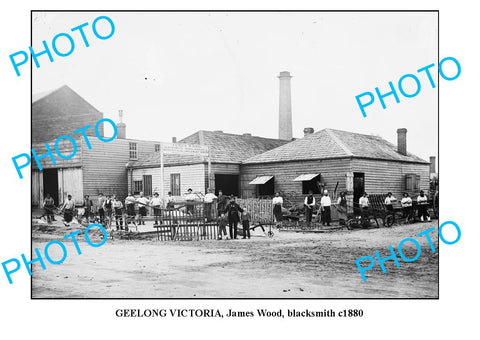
(229, 184)
(358, 187)
(50, 184)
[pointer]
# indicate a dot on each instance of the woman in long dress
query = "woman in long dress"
(277, 208)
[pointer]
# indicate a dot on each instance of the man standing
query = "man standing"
(208, 203)
(422, 202)
(309, 206)
(325, 203)
(156, 203)
(117, 207)
(101, 209)
(130, 206)
(190, 199)
(68, 207)
(222, 201)
(107, 207)
(142, 208)
(232, 209)
(48, 206)
(88, 204)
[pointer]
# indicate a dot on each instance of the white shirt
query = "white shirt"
(406, 202)
(325, 201)
(389, 200)
(311, 204)
(156, 201)
(363, 202)
(277, 200)
(191, 197)
(143, 201)
(209, 197)
(422, 200)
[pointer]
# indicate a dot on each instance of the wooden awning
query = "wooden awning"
(305, 177)
(261, 180)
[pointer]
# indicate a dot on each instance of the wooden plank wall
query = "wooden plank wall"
(384, 176)
(223, 169)
(104, 165)
(36, 194)
(70, 182)
(191, 176)
(284, 173)
(65, 147)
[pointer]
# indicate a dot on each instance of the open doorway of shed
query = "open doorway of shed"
(358, 187)
(229, 184)
(50, 184)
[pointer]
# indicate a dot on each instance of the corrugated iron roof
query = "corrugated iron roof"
(330, 143)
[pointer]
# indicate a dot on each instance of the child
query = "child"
(246, 223)
(222, 226)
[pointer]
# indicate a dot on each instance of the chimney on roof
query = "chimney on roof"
(121, 126)
(402, 141)
(174, 139)
(285, 107)
(433, 159)
(308, 131)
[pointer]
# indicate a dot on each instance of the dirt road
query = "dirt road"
(291, 265)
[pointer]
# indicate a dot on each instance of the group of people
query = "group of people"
(406, 203)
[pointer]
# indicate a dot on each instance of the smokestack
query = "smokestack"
(402, 141)
(121, 126)
(285, 107)
(432, 164)
(307, 131)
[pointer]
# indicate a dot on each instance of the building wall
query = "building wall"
(380, 176)
(70, 182)
(104, 165)
(331, 171)
(223, 169)
(191, 176)
(60, 113)
(384, 176)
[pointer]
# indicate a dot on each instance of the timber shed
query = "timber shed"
(337, 161)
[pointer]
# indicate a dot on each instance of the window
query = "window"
(137, 186)
(175, 184)
(157, 147)
(267, 189)
(412, 182)
(133, 152)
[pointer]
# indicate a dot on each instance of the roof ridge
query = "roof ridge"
(339, 142)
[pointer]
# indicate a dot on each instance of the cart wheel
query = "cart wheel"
(352, 224)
(388, 221)
(270, 234)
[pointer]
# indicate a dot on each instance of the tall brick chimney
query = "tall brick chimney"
(121, 126)
(433, 159)
(285, 107)
(402, 141)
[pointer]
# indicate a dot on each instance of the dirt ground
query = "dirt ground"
(289, 265)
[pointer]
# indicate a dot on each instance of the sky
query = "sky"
(174, 73)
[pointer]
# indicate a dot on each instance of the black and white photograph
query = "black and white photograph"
(226, 154)
(239, 170)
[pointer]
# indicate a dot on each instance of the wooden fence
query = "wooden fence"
(261, 210)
